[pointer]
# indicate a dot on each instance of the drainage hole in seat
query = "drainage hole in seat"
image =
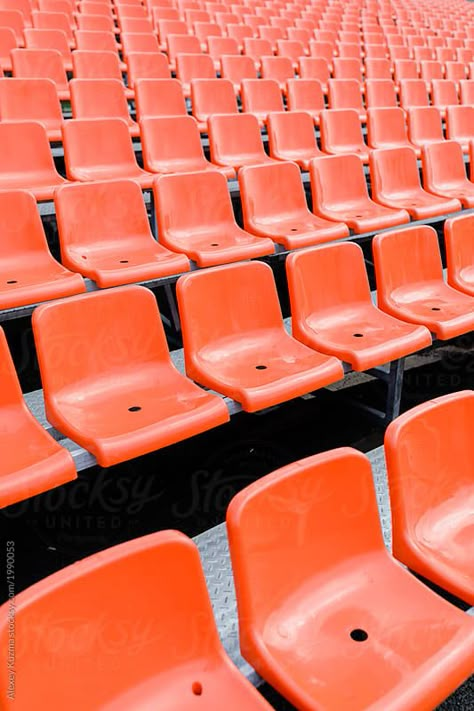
(261, 367)
(197, 688)
(134, 408)
(214, 244)
(359, 635)
(124, 261)
(12, 281)
(293, 229)
(435, 308)
(358, 335)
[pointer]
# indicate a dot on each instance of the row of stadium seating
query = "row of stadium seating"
(311, 574)
(109, 382)
(39, 99)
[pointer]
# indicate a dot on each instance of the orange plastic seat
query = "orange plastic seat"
(98, 64)
(204, 30)
(96, 40)
(204, 228)
(32, 100)
(172, 144)
(314, 68)
(459, 242)
(193, 66)
(346, 94)
(422, 54)
(101, 99)
(168, 669)
(95, 23)
(274, 205)
(430, 70)
(425, 125)
(101, 149)
(380, 93)
(341, 133)
(239, 33)
(404, 69)
(139, 42)
(278, 68)
(413, 93)
(8, 42)
(322, 49)
(332, 309)
(376, 51)
(291, 49)
(237, 68)
(444, 172)
(256, 49)
(135, 25)
(323, 582)
(347, 68)
(414, 289)
(460, 125)
(221, 46)
(170, 27)
(396, 183)
(175, 44)
(291, 137)
(212, 96)
(41, 64)
(47, 20)
(125, 408)
(444, 94)
(146, 65)
(386, 128)
(378, 69)
(429, 453)
(245, 353)
(28, 271)
(159, 97)
(260, 97)
(105, 235)
(306, 95)
(32, 461)
(14, 21)
(339, 192)
(50, 39)
(26, 161)
(455, 71)
(235, 140)
(466, 88)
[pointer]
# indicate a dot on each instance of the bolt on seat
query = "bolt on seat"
(332, 309)
(235, 341)
(121, 396)
(414, 290)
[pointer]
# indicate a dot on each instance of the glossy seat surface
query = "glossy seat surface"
(105, 235)
(99, 99)
(32, 100)
(274, 205)
(120, 403)
(291, 137)
(235, 140)
(414, 290)
(195, 216)
(235, 341)
(26, 162)
(101, 149)
(459, 243)
(429, 452)
(347, 200)
(444, 172)
(172, 144)
(314, 583)
(41, 64)
(332, 309)
(341, 133)
(32, 461)
(396, 183)
(162, 653)
(386, 128)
